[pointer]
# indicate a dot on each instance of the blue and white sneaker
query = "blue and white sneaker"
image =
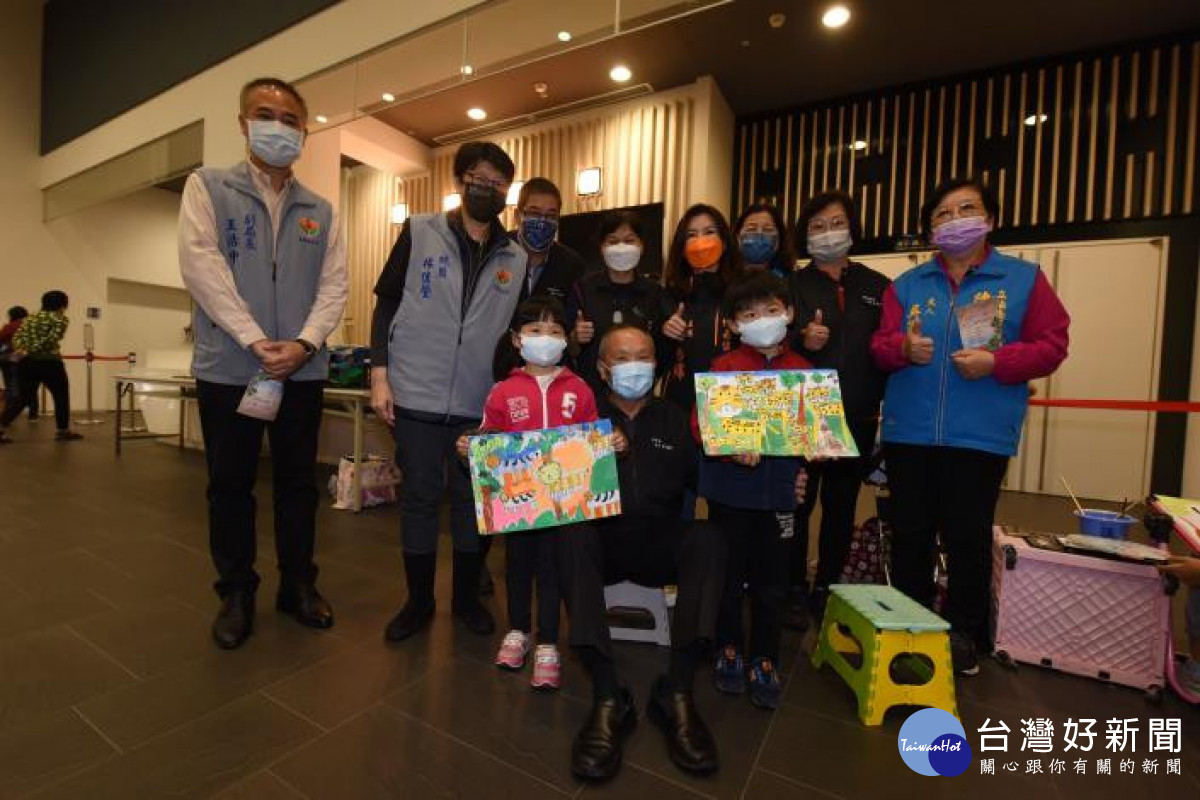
(729, 671)
(765, 689)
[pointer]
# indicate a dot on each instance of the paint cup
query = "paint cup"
(1106, 524)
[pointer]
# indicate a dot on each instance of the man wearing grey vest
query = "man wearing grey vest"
(266, 267)
(446, 295)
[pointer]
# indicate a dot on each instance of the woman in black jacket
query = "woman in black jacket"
(702, 263)
(837, 303)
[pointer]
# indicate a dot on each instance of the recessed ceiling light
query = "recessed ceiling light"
(388, 97)
(859, 144)
(467, 69)
(835, 16)
(322, 119)
(1034, 119)
(564, 36)
(776, 20)
(476, 113)
(620, 73)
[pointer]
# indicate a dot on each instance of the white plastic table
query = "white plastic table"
(353, 403)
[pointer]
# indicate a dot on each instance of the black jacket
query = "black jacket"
(606, 304)
(662, 462)
(710, 338)
(558, 273)
(850, 330)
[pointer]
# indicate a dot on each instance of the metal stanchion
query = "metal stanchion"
(89, 358)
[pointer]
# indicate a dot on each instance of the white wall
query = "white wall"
(131, 239)
(339, 33)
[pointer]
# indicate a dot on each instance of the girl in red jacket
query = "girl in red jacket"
(540, 394)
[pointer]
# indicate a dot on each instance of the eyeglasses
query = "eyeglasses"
(825, 225)
(537, 215)
(476, 179)
(967, 208)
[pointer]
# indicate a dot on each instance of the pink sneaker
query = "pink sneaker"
(513, 650)
(547, 666)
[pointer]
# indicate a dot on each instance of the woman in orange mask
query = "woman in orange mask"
(702, 262)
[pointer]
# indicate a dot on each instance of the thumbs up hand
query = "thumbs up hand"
(917, 348)
(816, 333)
(677, 327)
(584, 330)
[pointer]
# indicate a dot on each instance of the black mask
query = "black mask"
(483, 203)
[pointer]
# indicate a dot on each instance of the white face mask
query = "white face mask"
(764, 331)
(621, 257)
(542, 351)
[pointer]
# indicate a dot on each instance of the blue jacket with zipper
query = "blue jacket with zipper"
(932, 404)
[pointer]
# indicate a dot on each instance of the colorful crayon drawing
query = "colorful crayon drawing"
(541, 479)
(783, 413)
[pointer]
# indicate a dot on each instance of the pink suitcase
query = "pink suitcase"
(1080, 614)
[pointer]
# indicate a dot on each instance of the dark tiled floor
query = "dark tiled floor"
(109, 686)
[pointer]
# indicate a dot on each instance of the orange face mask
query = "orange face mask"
(703, 251)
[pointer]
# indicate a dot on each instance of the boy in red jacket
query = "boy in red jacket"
(540, 394)
(752, 499)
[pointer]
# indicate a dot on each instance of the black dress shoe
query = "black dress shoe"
(476, 619)
(690, 744)
(306, 604)
(235, 620)
(411, 620)
(599, 745)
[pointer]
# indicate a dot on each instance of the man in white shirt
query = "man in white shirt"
(266, 266)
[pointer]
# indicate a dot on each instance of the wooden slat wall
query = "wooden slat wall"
(1118, 142)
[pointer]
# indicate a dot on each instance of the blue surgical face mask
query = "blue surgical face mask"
(758, 247)
(537, 233)
(275, 143)
(632, 379)
(542, 351)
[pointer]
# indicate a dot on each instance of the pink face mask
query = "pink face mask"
(961, 235)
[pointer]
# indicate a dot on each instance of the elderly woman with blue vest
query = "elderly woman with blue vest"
(263, 259)
(446, 294)
(962, 335)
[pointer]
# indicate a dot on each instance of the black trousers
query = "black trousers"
(650, 551)
(427, 461)
(836, 484)
(32, 373)
(951, 492)
(232, 443)
(529, 555)
(758, 554)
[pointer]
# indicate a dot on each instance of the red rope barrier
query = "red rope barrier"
(1117, 405)
(92, 357)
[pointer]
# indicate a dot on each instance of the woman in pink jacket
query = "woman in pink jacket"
(539, 394)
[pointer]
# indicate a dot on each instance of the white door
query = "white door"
(1114, 293)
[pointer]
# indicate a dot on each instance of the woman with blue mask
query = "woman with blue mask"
(761, 240)
(837, 304)
(616, 295)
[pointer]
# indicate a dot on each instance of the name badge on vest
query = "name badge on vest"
(262, 398)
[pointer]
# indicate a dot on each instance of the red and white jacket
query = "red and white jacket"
(518, 403)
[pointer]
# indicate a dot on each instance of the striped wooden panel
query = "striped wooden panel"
(1109, 136)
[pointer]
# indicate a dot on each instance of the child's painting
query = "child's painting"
(783, 413)
(542, 479)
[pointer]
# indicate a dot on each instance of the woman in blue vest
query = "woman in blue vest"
(962, 335)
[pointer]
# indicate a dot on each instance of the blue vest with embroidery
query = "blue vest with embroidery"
(933, 404)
